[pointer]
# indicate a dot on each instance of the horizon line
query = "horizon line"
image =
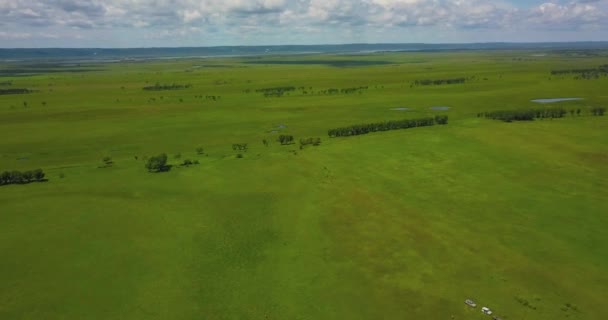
(319, 44)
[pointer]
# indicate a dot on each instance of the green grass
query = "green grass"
(394, 225)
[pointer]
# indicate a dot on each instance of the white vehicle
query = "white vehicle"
(470, 303)
(486, 310)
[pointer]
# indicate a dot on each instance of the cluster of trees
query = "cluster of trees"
(6, 83)
(19, 177)
(163, 87)
(584, 73)
(438, 82)
(285, 139)
(276, 92)
(15, 91)
(386, 126)
(598, 111)
(526, 115)
(158, 163)
(310, 141)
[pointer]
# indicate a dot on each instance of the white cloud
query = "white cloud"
(297, 16)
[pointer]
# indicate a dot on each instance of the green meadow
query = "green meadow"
(402, 224)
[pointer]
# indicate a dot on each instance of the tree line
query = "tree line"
(21, 177)
(334, 91)
(532, 114)
(15, 91)
(276, 91)
(386, 126)
(438, 82)
(525, 115)
(586, 74)
(6, 83)
(163, 87)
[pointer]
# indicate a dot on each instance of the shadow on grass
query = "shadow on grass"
(23, 182)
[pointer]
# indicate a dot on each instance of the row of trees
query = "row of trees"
(6, 83)
(437, 82)
(584, 73)
(21, 177)
(163, 87)
(15, 91)
(525, 115)
(386, 126)
(333, 91)
(532, 114)
(276, 91)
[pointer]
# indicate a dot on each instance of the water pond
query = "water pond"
(554, 100)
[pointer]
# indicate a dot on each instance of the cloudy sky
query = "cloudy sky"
(147, 23)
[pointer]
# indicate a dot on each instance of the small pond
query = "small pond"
(440, 108)
(554, 100)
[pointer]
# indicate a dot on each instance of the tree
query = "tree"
(16, 177)
(200, 150)
(285, 139)
(39, 175)
(578, 112)
(5, 178)
(28, 176)
(157, 164)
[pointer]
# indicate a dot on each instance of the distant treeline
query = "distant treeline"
(15, 91)
(584, 73)
(163, 87)
(276, 92)
(19, 177)
(386, 126)
(438, 82)
(598, 111)
(532, 114)
(333, 91)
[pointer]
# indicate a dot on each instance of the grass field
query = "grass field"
(394, 225)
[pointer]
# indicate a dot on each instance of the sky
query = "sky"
(174, 23)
